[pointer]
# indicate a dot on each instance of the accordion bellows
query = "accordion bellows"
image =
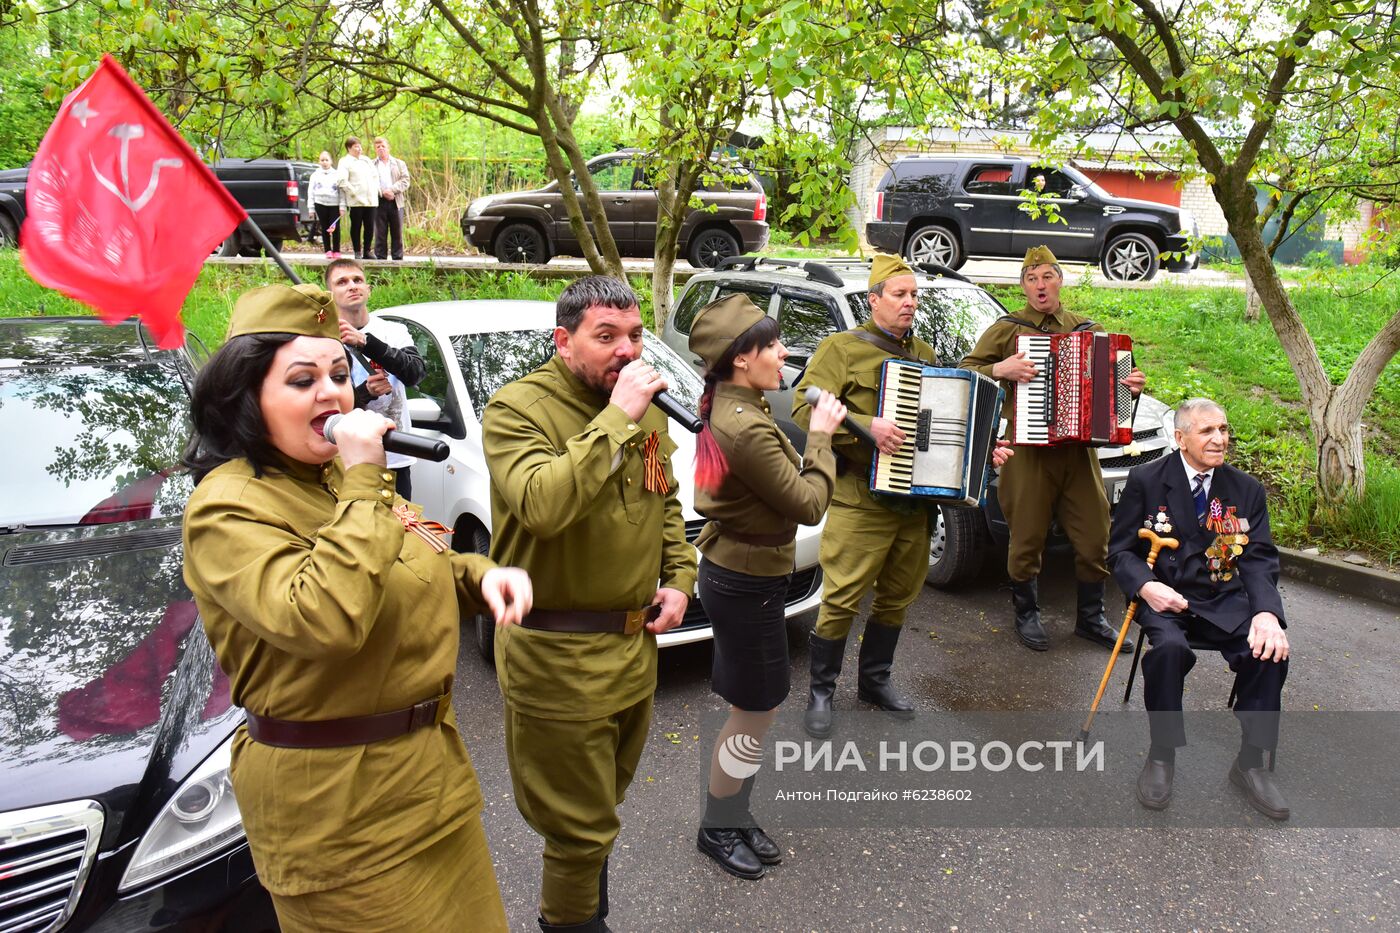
(1077, 395)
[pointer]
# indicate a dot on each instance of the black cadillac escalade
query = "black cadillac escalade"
(946, 209)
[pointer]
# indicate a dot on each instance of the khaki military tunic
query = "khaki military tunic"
(769, 490)
(320, 606)
(569, 504)
(865, 542)
(1040, 484)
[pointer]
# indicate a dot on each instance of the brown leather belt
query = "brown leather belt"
(352, 730)
(575, 620)
(760, 540)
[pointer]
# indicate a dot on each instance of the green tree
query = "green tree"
(1237, 79)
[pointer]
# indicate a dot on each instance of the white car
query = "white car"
(472, 348)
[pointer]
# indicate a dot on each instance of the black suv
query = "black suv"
(812, 300)
(532, 226)
(948, 209)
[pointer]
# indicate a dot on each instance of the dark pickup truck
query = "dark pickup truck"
(272, 191)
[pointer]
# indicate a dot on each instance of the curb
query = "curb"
(1333, 574)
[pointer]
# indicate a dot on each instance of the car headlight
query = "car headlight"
(1187, 222)
(475, 208)
(1169, 427)
(200, 819)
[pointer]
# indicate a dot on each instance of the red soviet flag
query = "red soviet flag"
(121, 212)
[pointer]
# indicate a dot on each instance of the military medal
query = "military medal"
(431, 532)
(654, 474)
(1230, 539)
(1160, 522)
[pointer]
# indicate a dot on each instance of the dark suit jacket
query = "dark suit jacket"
(1227, 604)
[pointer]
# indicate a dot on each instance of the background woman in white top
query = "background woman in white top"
(329, 202)
(359, 184)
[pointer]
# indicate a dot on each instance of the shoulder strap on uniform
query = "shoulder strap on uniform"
(1086, 325)
(1013, 319)
(884, 343)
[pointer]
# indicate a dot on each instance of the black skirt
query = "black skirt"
(751, 668)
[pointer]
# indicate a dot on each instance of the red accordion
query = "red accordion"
(1077, 395)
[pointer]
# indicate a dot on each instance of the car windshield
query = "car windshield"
(490, 360)
(948, 319)
(99, 444)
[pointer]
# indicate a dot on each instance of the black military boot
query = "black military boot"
(1028, 628)
(876, 659)
(1090, 623)
(826, 656)
(593, 924)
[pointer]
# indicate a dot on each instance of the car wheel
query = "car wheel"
(1130, 257)
(228, 248)
(956, 546)
(9, 233)
(710, 247)
(480, 543)
(935, 244)
(521, 243)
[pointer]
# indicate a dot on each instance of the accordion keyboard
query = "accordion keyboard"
(895, 473)
(1035, 399)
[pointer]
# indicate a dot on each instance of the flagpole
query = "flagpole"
(257, 234)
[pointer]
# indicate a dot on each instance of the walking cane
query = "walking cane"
(1155, 546)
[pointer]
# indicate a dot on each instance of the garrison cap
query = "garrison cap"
(1039, 256)
(304, 309)
(886, 266)
(720, 323)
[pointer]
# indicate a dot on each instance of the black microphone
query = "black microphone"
(814, 395)
(675, 411)
(399, 442)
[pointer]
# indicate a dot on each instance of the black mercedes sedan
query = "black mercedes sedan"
(116, 811)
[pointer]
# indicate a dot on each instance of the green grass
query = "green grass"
(1190, 341)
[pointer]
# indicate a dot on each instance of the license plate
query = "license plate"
(1118, 491)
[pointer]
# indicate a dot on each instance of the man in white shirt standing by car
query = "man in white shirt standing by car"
(388, 216)
(383, 359)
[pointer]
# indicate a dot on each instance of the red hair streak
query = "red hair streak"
(711, 467)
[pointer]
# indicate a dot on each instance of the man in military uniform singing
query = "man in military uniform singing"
(1044, 483)
(583, 494)
(867, 542)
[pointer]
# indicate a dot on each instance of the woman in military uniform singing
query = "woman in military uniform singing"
(334, 609)
(755, 490)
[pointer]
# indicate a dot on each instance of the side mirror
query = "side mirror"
(424, 410)
(1077, 193)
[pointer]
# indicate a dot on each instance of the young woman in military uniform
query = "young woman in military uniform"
(755, 490)
(334, 610)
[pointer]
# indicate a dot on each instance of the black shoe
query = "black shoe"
(1154, 784)
(876, 659)
(593, 924)
(1260, 790)
(1024, 600)
(764, 847)
(729, 850)
(603, 892)
(826, 654)
(1090, 623)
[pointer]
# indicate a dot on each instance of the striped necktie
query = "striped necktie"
(1198, 492)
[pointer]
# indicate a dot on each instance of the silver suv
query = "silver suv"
(811, 300)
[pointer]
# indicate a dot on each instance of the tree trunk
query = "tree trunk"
(1253, 304)
(1334, 417)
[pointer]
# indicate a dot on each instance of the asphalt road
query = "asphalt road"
(958, 653)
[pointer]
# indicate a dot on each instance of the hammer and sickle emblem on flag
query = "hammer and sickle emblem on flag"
(126, 132)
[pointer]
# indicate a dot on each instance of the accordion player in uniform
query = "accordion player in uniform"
(1043, 483)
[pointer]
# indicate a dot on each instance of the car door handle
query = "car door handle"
(1113, 210)
(620, 200)
(963, 206)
